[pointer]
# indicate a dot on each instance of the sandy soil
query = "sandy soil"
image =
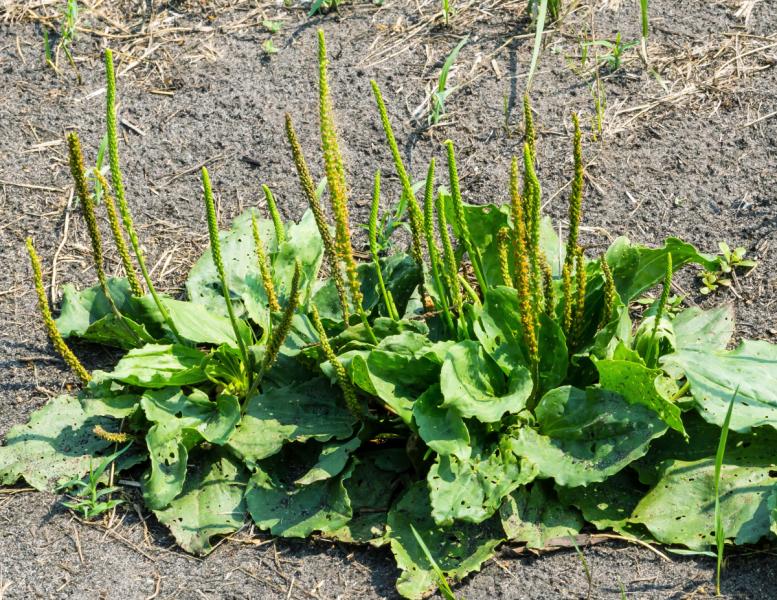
(685, 151)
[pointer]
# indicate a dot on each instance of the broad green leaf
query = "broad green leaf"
(398, 371)
(303, 242)
(88, 314)
(289, 510)
(586, 436)
(214, 421)
(607, 504)
(312, 410)
(499, 330)
(702, 442)
(772, 504)
(56, 445)
(458, 550)
(472, 489)
(108, 399)
(158, 366)
(636, 383)
(695, 328)
(473, 384)
(715, 375)
(210, 504)
(168, 449)
(680, 509)
(194, 322)
(181, 421)
(638, 268)
(443, 429)
(331, 461)
(536, 515)
(371, 489)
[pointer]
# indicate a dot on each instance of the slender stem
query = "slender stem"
(388, 300)
(461, 219)
(431, 244)
(451, 269)
(51, 327)
(309, 189)
(469, 289)
(118, 188)
(215, 249)
(416, 218)
(264, 267)
(349, 393)
(118, 237)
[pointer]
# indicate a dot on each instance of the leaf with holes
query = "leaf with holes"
(56, 445)
(459, 549)
(680, 509)
(313, 410)
(536, 515)
(585, 436)
(750, 370)
(607, 504)
(472, 489)
(211, 503)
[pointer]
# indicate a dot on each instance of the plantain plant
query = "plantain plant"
(488, 384)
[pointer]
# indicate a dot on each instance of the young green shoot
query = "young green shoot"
(643, 14)
(586, 569)
(442, 92)
(442, 583)
(88, 498)
(720, 534)
(539, 28)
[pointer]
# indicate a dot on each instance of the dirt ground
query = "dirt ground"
(688, 148)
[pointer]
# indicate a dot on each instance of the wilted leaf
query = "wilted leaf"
(458, 550)
(535, 516)
(210, 504)
(56, 445)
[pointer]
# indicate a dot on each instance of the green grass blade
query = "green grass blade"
(720, 534)
(442, 583)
